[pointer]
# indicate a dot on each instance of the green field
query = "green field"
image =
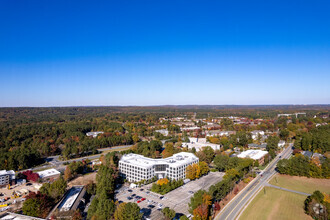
(302, 184)
(275, 204)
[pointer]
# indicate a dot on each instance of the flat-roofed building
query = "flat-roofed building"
(258, 155)
(15, 216)
(136, 167)
(49, 175)
(199, 144)
(163, 132)
(257, 146)
(94, 133)
(281, 143)
(7, 177)
(72, 199)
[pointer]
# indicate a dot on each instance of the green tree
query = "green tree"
(101, 207)
(221, 162)
(196, 200)
(204, 168)
(56, 189)
(169, 213)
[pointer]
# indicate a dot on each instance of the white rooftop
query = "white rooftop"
(14, 216)
(190, 128)
(175, 160)
(48, 173)
(253, 154)
(4, 172)
(71, 197)
(199, 143)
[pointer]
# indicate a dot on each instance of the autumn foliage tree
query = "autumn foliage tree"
(204, 168)
(162, 181)
(30, 176)
(169, 150)
(201, 212)
(37, 205)
(193, 171)
(200, 204)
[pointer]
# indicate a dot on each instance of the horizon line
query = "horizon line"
(166, 105)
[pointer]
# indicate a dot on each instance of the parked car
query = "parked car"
(138, 201)
(151, 206)
(141, 189)
(143, 199)
(129, 198)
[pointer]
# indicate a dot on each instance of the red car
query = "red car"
(143, 199)
(138, 201)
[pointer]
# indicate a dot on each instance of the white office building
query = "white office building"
(136, 167)
(7, 177)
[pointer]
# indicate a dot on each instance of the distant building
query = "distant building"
(219, 133)
(191, 128)
(94, 133)
(258, 155)
(211, 126)
(257, 146)
(281, 144)
(308, 154)
(135, 167)
(255, 134)
(183, 123)
(163, 132)
(199, 143)
(7, 177)
(49, 175)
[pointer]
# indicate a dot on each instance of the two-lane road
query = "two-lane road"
(54, 161)
(232, 210)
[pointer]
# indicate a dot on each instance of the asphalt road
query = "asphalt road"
(54, 161)
(232, 210)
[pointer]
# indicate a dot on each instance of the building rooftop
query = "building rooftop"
(4, 172)
(70, 198)
(199, 143)
(175, 160)
(253, 154)
(48, 173)
(14, 216)
(263, 145)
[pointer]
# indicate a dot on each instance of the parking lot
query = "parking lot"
(178, 199)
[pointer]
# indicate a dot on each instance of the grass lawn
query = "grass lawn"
(276, 204)
(302, 184)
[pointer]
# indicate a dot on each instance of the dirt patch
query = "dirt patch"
(83, 180)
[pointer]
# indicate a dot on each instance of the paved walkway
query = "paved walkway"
(289, 190)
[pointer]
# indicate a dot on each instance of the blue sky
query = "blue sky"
(78, 53)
